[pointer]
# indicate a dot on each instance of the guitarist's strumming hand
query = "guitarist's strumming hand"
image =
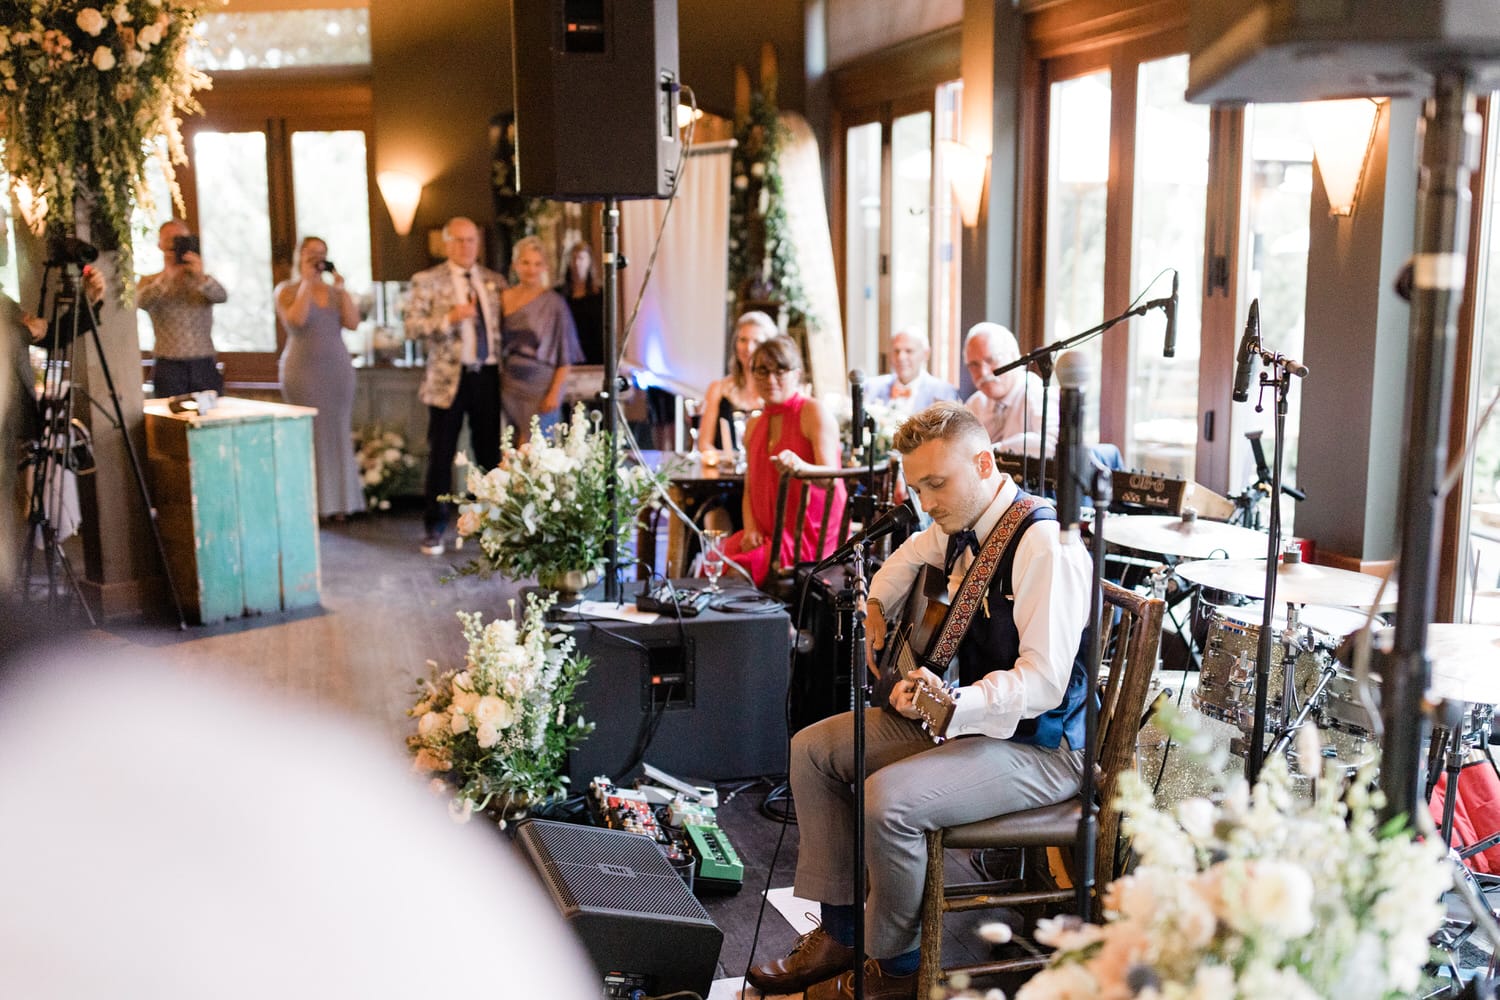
(904, 694)
(874, 634)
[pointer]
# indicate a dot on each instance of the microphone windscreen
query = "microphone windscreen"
(1075, 370)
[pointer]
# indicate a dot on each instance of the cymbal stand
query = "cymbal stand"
(1277, 376)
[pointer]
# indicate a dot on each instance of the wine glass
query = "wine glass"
(713, 558)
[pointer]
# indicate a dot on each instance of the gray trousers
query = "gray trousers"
(911, 787)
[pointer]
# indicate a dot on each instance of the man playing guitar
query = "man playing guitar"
(1014, 635)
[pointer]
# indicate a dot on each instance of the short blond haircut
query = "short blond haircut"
(942, 421)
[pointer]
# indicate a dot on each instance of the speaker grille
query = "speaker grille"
(594, 869)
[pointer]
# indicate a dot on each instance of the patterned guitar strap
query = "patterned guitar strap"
(976, 582)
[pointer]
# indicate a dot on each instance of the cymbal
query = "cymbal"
(1463, 662)
(1189, 538)
(1296, 582)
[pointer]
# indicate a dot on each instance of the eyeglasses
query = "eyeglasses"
(761, 371)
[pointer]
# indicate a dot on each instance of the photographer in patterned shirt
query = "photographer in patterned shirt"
(180, 300)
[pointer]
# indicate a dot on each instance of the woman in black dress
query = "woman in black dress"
(580, 287)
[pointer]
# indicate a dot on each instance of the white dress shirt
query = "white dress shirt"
(467, 289)
(1015, 422)
(1052, 585)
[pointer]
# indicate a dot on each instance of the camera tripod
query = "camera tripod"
(56, 448)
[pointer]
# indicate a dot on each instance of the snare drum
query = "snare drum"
(1226, 683)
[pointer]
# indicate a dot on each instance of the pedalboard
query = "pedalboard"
(688, 603)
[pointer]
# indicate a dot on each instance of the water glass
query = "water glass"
(713, 558)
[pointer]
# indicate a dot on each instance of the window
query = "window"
(234, 224)
(278, 39)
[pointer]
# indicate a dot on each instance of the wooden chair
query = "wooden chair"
(1132, 634)
(784, 564)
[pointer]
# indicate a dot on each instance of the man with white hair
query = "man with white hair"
(909, 384)
(1010, 405)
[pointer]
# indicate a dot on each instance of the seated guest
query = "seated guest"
(1008, 406)
(735, 392)
(910, 385)
(794, 433)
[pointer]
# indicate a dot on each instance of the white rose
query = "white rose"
(120, 14)
(91, 21)
(493, 711)
(391, 455)
(459, 723)
(1271, 895)
(430, 722)
(134, 58)
(150, 35)
(487, 735)
(757, 170)
(104, 59)
(1196, 816)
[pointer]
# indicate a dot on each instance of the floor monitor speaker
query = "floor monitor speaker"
(596, 90)
(631, 910)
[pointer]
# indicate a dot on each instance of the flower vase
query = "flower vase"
(508, 807)
(568, 584)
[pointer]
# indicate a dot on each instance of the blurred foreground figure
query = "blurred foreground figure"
(168, 837)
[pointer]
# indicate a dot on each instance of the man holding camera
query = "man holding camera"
(180, 301)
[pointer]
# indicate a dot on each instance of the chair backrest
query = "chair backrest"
(855, 481)
(1132, 636)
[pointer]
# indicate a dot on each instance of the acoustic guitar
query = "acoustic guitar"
(907, 639)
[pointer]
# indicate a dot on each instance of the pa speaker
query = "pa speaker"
(630, 909)
(596, 98)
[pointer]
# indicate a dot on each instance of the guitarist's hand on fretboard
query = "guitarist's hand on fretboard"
(904, 694)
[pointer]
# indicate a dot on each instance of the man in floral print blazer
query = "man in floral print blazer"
(455, 309)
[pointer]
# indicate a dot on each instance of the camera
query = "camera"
(183, 245)
(325, 266)
(70, 250)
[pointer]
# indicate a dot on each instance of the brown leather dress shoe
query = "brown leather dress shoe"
(878, 985)
(814, 958)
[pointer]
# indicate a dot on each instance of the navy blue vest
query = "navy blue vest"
(994, 643)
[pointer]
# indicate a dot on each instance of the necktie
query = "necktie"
(957, 543)
(481, 332)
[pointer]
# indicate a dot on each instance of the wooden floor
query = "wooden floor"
(387, 609)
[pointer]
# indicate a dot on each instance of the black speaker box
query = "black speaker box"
(596, 98)
(1296, 50)
(630, 909)
(714, 689)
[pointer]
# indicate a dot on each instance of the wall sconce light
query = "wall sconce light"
(967, 171)
(1343, 134)
(33, 207)
(401, 192)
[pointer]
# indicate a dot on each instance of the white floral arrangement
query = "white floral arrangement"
(386, 468)
(498, 731)
(1259, 895)
(86, 92)
(543, 511)
(888, 417)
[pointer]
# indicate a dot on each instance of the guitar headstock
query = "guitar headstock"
(934, 707)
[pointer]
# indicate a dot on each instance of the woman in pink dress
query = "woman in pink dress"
(793, 433)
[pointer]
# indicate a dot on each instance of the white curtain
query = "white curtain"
(681, 332)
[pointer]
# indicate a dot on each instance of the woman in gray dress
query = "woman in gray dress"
(316, 371)
(538, 344)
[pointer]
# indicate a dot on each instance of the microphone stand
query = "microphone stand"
(1102, 492)
(1042, 356)
(859, 688)
(1277, 376)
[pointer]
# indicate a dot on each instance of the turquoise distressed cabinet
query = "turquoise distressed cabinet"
(236, 499)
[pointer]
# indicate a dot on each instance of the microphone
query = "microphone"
(1074, 372)
(903, 515)
(1169, 340)
(1244, 365)
(857, 412)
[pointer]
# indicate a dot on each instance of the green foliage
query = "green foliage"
(762, 259)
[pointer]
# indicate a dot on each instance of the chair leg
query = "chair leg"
(931, 969)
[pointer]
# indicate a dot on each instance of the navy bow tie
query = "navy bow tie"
(957, 543)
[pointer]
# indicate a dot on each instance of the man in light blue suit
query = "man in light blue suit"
(909, 384)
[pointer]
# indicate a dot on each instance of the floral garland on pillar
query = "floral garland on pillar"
(86, 93)
(762, 260)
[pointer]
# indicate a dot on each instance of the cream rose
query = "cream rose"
(430, 722)
(91, 21)
(468, 522)
(459, 722)
(120, 14)
(487, 735)
(493, 711)
(104, 59)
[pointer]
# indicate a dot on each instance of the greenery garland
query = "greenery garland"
(762, 259)
(89, 95)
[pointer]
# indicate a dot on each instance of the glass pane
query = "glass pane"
(1279, 177)
(1480, 593)
(330, 187)
(947, 240)
(911, 220)
(235, 228)
(1077, 178)
(277, 39)
(862, 246)
(143, 228)
(1171, 185)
